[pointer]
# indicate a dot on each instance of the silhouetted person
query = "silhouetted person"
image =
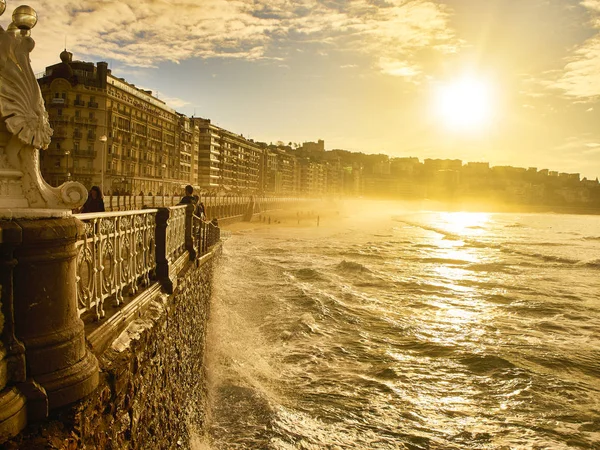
(188, 198)
(94, 202)
(201, 211)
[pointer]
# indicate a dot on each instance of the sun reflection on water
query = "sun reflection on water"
(465, 223)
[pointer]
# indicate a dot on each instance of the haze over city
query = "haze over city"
(509, 82)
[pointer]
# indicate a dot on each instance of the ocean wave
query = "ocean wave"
(515, 225)
(593, 263)
(308, 274)
(490, 267)
(447, 234)
(547, 244)
(362, 254)
(541, 256)
(351, 266)
(449, 261)
(387, 374)
(482, 364)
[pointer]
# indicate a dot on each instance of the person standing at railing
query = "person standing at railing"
(94, 202)
(188, 198)
(200, 211)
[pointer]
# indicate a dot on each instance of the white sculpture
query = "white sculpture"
(25, 130)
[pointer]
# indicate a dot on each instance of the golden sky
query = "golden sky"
(506, 81)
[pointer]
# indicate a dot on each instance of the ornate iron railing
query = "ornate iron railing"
(122, 252)
(116, 253)
(205, 234)
(176, 233)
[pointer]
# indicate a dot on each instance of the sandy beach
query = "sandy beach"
(298, 218)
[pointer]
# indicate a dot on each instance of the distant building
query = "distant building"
(318, 146)
(431, 165)
(227, 161)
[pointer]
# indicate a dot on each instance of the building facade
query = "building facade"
(111, 134)
(227, 161)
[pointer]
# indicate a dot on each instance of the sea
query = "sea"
(392, 327)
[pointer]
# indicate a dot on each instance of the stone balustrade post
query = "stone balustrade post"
(45, 310)
(162, 263)
(189, 226)
(13, 413)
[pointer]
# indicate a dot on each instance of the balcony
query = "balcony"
(79, 103)
(84, 153)
(59, 133)
(55, 118)
(59, 102)
(55, 152)
(56, 170)
(83, 170)
(91, 136)
(77, 134)
(92, 104)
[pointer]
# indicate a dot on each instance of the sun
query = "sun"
(464, 104)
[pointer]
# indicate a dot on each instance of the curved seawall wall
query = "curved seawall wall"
(151, 392)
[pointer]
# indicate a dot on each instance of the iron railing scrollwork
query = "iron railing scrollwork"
(175, 245)
(122, 252)
(205, 235)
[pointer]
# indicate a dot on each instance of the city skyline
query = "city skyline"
(375, 79)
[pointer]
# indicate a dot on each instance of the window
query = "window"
(59, 112)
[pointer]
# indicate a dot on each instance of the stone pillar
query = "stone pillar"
(13, 413)
(162, 264)
(46, 316)
(189, 226)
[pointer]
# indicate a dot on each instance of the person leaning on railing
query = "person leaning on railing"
(188, 198)
(94, 202)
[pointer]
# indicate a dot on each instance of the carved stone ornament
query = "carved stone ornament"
(25, 131)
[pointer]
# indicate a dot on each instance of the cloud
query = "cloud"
(580, 145)
(175, 102)
(580, 75)
(144, 33)
(399, 68)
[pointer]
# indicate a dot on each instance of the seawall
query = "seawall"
(151, 392)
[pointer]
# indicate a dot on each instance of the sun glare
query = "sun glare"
(464, 104)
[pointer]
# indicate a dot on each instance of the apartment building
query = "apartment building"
(109, 133)
(227, 161)
(280, 171)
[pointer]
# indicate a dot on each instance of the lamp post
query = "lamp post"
(103, 139)
(164, 168)
(68, 175)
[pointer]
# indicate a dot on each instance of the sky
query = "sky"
(510, 82)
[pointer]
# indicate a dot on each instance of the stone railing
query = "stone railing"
(121, 253)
